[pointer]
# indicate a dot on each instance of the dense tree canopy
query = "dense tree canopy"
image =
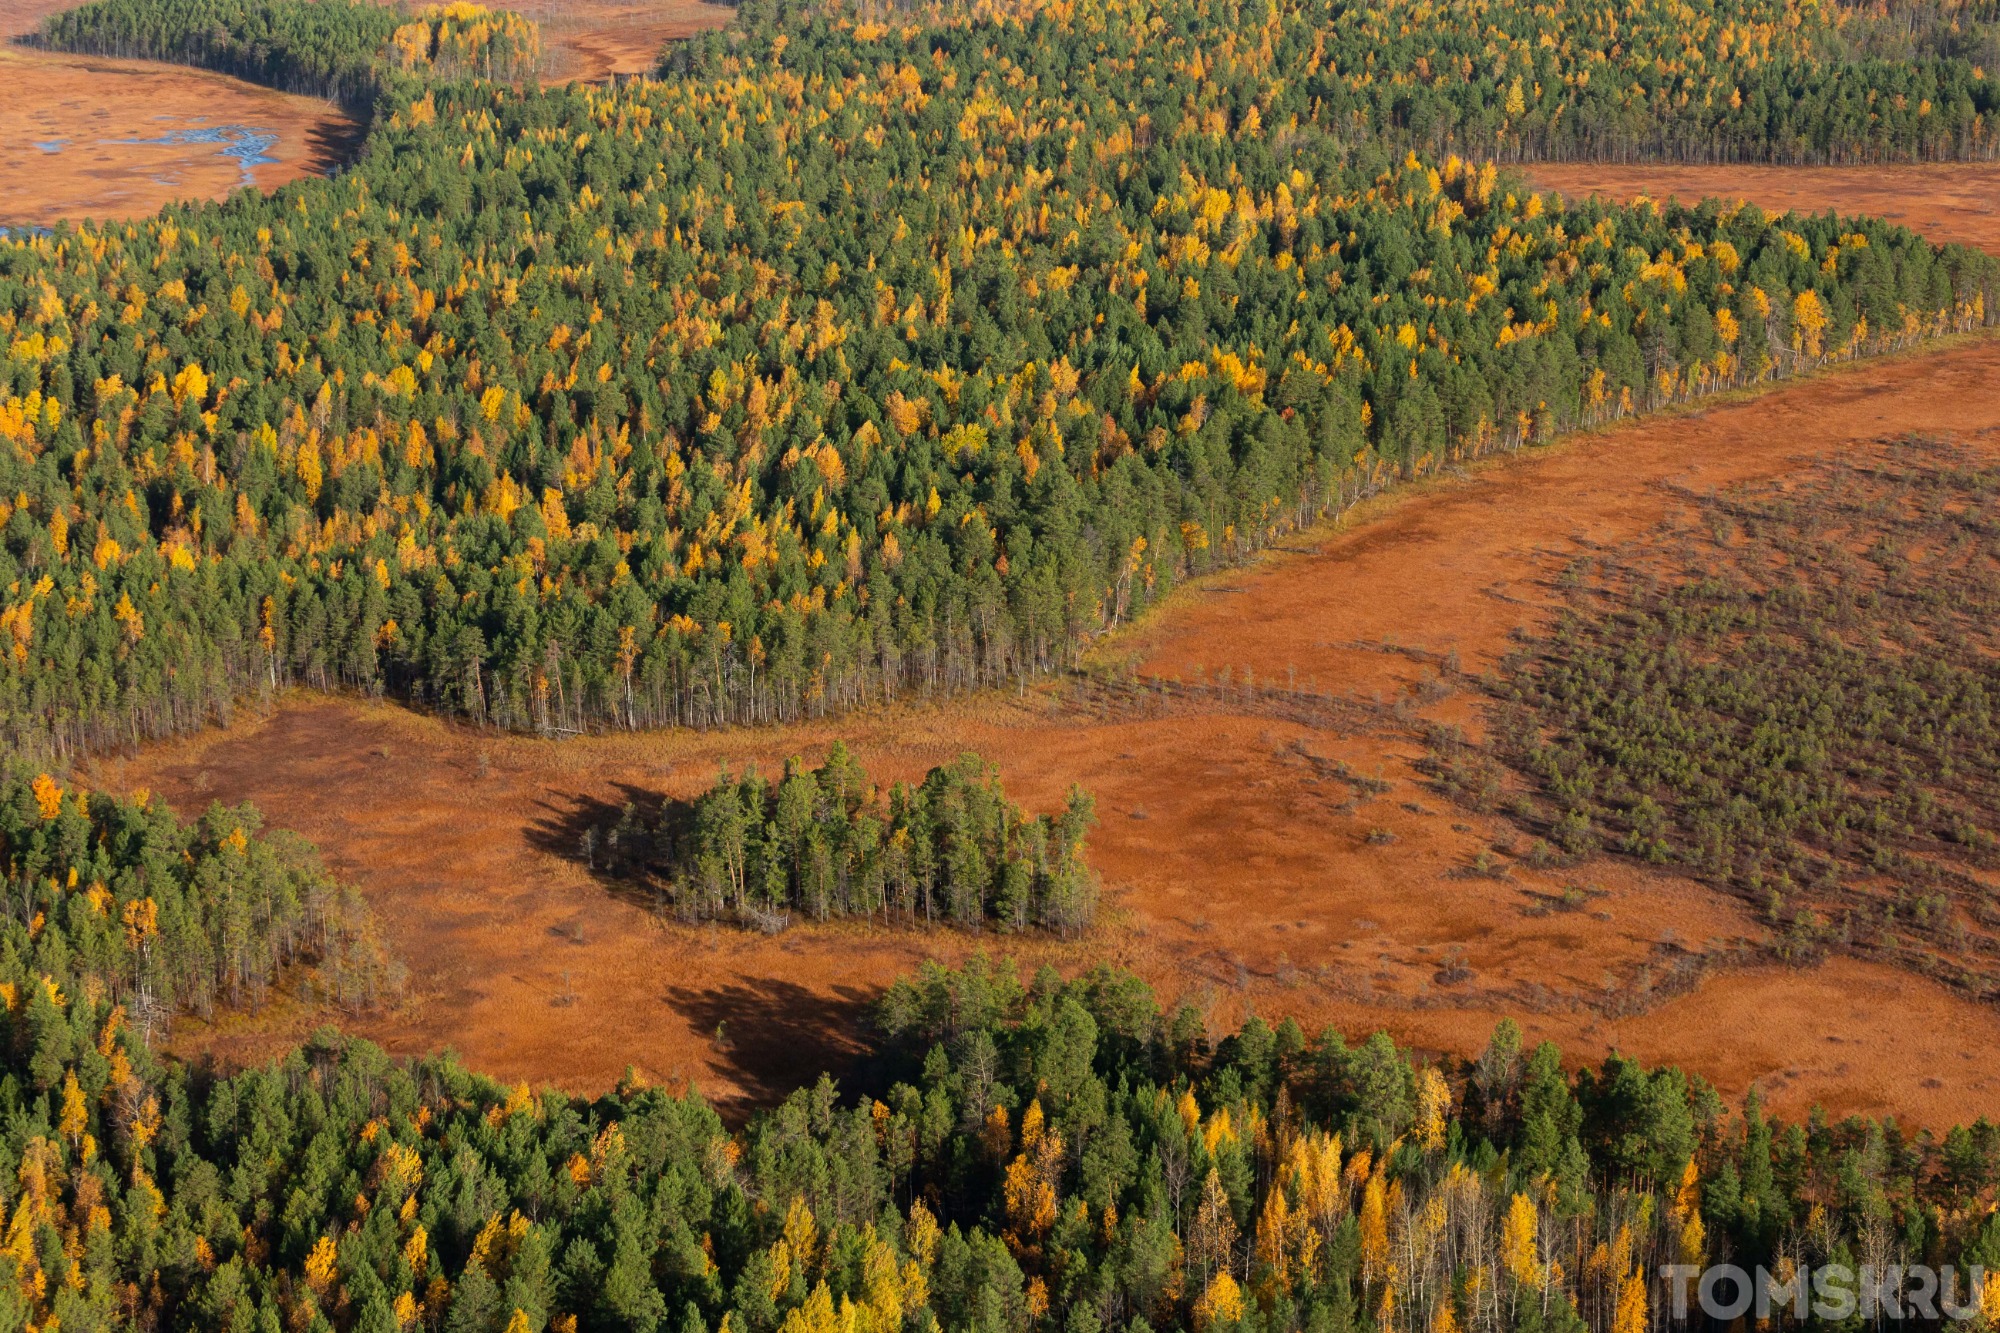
(123, 900)
(825, 842)
(1713, 82)
(848, 358)
(1057, 1156)
(346, 50)
(841, 360)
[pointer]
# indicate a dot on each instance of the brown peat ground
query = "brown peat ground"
(91, 137)
(1946, 201)
(1266, 841)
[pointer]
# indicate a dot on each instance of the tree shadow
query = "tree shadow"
(624, 841)
(774, 1037)
(333, 144)
(769, 1036)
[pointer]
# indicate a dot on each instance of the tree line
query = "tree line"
(1746, 80)
(1593, 80)
(825, 842)
(347, 51)
(121, 900)
(842, 361)
(1059, 1155)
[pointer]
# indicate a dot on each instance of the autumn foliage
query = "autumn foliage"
(843, 360)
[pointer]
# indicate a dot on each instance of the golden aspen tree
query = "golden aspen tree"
(1989, 1300)
(1520, 1248)
(922, 1234)
(801, 1233)
(48, 796)
(1808, 322)
(320, 1266)
(417, 1252)
(75, 1112)
(311, 469)
(1212, 1239)
(1690, 1234)
(1190, 1112)
(1631, 1312)
(1029, 1200)
(995, 1135)
(1274, 1226)
(1221, 1302)
(1374, 1229)
(1433, 1108)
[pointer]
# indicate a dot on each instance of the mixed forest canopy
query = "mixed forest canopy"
(851, 357)
(350, 51)
(1752, 80)
(825, 842)
(843, 359)
(1055, 1156)
(1796, 698)
(1895, 31)
(120, 901)
(1522, 80)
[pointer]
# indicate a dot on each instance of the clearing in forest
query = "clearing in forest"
(1267, 836)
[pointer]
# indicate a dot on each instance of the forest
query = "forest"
(122, 900)
(1758, 81)
(348, 51)
(860, 354)
(572, 407)
(1040, 1156)
(825, 842)
(1768, 81)
(1797, 704)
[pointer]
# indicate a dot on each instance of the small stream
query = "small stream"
(247, 144)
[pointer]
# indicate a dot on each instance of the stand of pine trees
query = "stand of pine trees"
(849, 360)
(1056, 1156)
(824, 842)
(120, 900)
(348, 51)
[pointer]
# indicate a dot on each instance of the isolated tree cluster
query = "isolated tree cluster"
(825, 842)
(122, 899)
